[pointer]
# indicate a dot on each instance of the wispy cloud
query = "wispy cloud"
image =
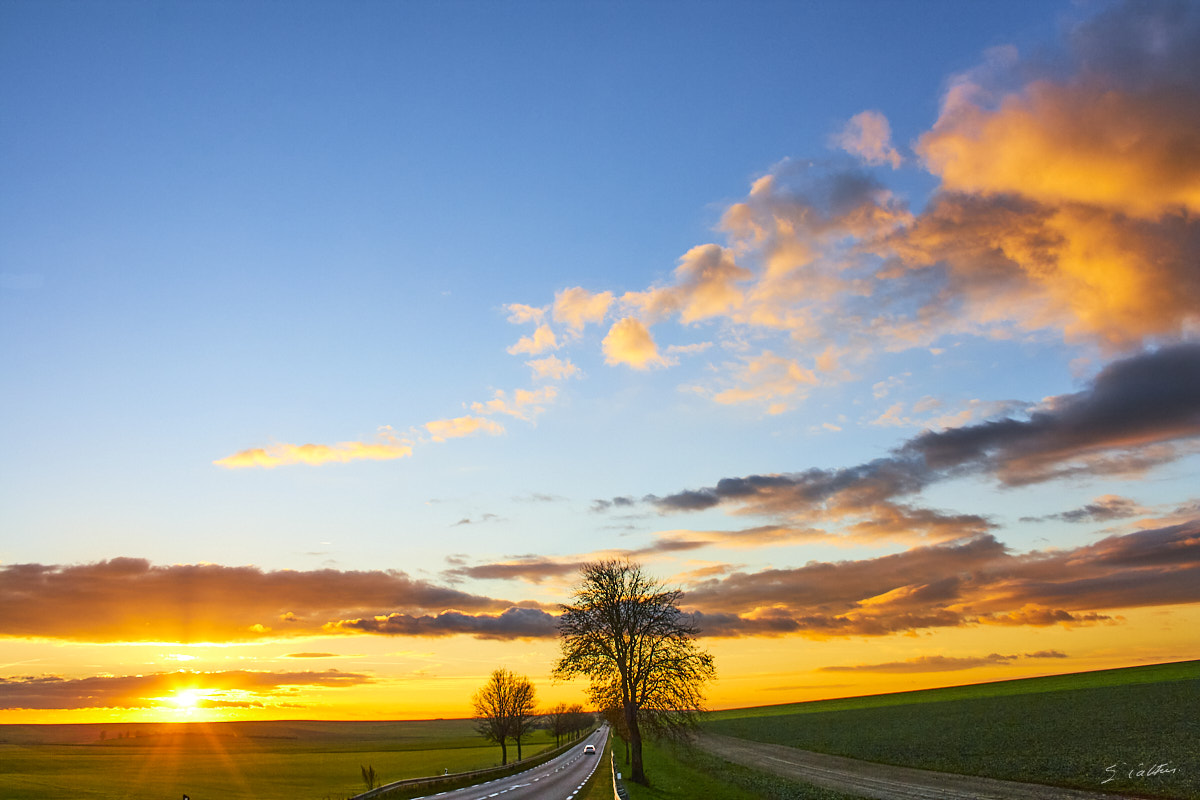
(869, 136)
(456, 428)
(941, 663)
(387, 447)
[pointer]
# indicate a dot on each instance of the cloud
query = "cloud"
(927, 664)
(514, 623)
(705, 286)
(543, 339)
(772, 380)
(519, 314)
(869, 136)
(1125, 423)
(533, 569)
(158, 690)
(1066, 207)
(552, 368)
(629, 342)
(1138, 413)
(940, 663)
(1121, 132)
(128, 599)
(978, 582)
(316, 454)
(442, 429)
(1103, 509)
(312, 655)
(577, 307)
(525, 404)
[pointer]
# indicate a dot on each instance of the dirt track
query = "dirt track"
(881, 781)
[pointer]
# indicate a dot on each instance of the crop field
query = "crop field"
(1095, 730)
(234, 761)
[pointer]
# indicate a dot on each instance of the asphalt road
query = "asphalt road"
(558, 779)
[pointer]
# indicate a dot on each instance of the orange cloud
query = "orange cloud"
(543, 339)
(773, 380)
(977, 582)
(525, 404)
(128, 599)
(1087, 141)
(577, 307)
(442, 429)
(629, 342)
(552, 368)
(705, 287)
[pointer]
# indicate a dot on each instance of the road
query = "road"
(880, 781)
(557, 779)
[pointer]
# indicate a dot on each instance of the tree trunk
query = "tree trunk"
(518, 748)
(503, 752)
(636, 772)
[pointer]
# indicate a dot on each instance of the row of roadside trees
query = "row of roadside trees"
(506, 709)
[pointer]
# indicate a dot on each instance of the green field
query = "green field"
(1068, 730)
(234, 761)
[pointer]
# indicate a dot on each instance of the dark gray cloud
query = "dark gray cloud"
(1102, 509)
(514, 623)
(1138, 413)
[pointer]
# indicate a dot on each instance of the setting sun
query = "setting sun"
(188, 699)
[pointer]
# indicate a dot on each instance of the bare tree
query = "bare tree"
(577, 720)
(556, 722)
(504, 709)
(625, 632)
(522, 712)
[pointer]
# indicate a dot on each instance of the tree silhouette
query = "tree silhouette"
(504, 709)
(625, 632)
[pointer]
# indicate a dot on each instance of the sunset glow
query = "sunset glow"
(335, 343)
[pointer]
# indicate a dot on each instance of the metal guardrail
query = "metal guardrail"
(433, 780)
(619, 790)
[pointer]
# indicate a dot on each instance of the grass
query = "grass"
(1072, 730)
(238, 761)
(676, 771)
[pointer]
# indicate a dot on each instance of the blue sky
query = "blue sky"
(229, 228)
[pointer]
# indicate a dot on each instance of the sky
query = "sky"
(336, 337)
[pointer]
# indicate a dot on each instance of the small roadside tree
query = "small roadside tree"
(504, 708)
(556, 722)
(626, 633)
(522, 711)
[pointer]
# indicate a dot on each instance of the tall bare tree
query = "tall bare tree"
(504, 709)
(625, 632)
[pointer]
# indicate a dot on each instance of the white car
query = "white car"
(589, 750)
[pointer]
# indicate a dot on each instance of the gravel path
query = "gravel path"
(881, 781)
